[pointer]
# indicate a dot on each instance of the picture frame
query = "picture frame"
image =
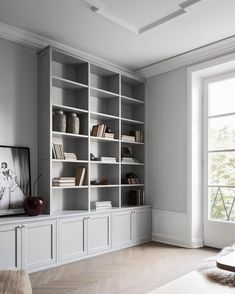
(15, 179)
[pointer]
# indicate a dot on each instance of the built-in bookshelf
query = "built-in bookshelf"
(99, 97)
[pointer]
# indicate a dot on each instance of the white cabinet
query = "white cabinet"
(38, 244)
(122, 228)
(99, 233)
(131, 226)
(10, 247)
(72, 238)
(142, 225)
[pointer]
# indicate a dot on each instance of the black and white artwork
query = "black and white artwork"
(15, 184)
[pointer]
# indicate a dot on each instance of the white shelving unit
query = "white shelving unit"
(98, 95)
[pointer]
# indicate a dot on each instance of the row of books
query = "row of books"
(99, 205)
(78, 180)
(135, 197)
(106, 159)
(131, 179)
(128, 138)
(139, 135)
(101, 131)
(58, 153)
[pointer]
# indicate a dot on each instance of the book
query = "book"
(128, 138)
(57, 151)
(70, 156)
(107, 159)
(80, 176)
(135, 197)
(101, 204)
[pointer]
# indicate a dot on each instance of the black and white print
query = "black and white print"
(14, 179)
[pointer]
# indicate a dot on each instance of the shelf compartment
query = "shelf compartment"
(102, 116)
(103, 162)
(127, 126)
(70, 199)
(105, 194)
(83, 122)
(131, 121)
(65, 169)
(126, 190)
(60, 134)
(104, 148)
(75, 97)
(132, 88)
(68, 161)
(109, 172)
(138, 170)
(77, 145)
(104, 79)
(69, 67)
(66, 84)
(133, 112)
(107, 106)
(112, 123)
(135, 151)
(68, 109)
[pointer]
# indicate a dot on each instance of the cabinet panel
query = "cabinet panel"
(142, 225)
(122, 228)
(38, 244)
(99, 233)
(72, 238)
(10, 247)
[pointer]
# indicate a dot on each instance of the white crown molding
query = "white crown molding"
(207, 52)
(35, 41)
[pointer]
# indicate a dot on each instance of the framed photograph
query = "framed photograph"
(15, 181)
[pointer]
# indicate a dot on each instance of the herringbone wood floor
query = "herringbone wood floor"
(135, 270)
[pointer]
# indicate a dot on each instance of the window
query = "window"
(220, 148)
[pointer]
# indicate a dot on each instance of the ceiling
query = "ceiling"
(112, 30)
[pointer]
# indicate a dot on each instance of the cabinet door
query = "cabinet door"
(122, 228)
(142, 225)
(72, 238)
(98, 230)
(10, 247)
(38, 244)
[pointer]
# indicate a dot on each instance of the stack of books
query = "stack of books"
(63, 182)
(80, 176)
(70, 156)
(57, 151)
(99, 205)
(129, 160)
(109, 135)
(135, 197)
(106, 159)
(99, 131)
(139, 135)
(128, 138)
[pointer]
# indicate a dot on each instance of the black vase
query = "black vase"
(33, 205)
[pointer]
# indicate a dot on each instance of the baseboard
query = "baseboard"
(169, 227)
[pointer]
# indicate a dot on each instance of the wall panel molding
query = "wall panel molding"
(169, 227)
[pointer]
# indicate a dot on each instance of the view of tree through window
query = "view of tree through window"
(221, 149)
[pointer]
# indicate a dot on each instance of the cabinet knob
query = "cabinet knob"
(18, 227)
(23, 226)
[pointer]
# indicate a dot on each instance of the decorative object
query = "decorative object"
(15, 182)
(92, 157)
(209, 268)
(59, 121)
(34, 205)
(73, 123)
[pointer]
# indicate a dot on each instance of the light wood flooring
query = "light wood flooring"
(134, 270)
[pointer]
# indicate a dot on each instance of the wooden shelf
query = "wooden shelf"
(67, 84)
(103, 116)
(69, 135)
(131, 101)
(71, 187)
(69, 109)
(99, 93)
(132, 121)
(69, 161)
(103, 139)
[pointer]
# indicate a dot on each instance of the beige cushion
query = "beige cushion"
(14, 282)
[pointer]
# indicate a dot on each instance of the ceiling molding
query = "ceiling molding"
(99, 8)
(35, 41)
(198, 55)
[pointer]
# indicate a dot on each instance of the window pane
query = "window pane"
(221, 168)
(221, 97)
(221, 133)
(221, 204)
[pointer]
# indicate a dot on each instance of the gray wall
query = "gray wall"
(166, 140)
(18, 98)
